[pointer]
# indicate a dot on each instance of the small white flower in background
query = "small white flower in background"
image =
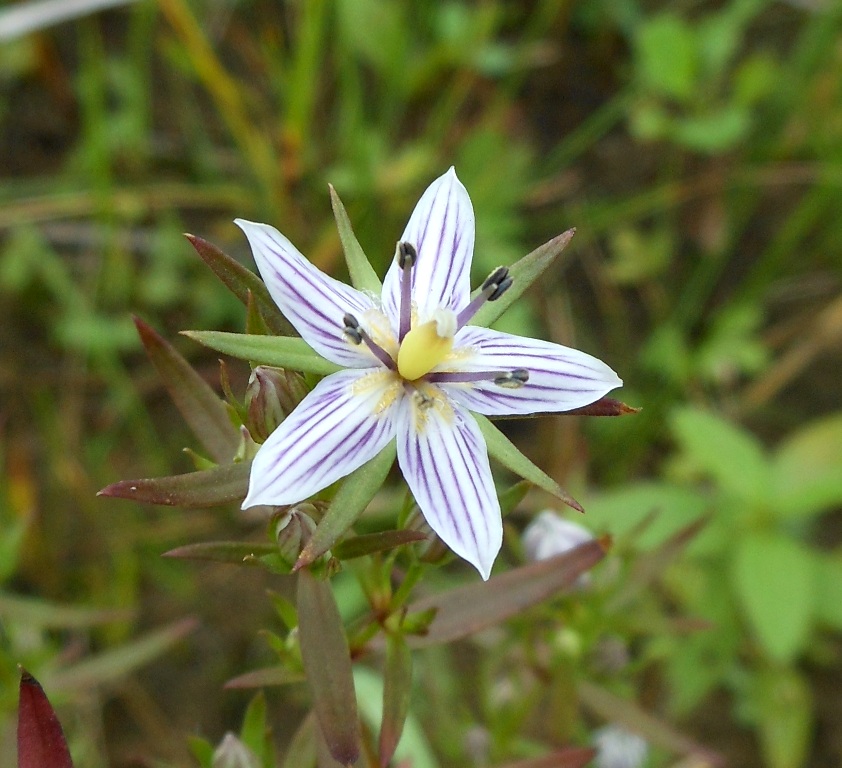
(414, 370)
(549, 535)
(619, 748)
(232, 753)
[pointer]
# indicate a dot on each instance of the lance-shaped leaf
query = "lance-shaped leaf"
(397, 684)
(572, 757)
(33, 612)
(369, 543)
(523, 274)
(266, 677)
(327, 664)
(353, 496)
(363, 276)
(205, 413)
(289, 352)
(41, 741)
(465, 610)
(193, 490)
(507, 453)
(302, 746)
(605, 406)
(112, 665)
(240, 281)
(236, 552)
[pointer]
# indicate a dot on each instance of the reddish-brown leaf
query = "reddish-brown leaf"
(41, 742)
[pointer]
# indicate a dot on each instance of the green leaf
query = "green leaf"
(353, 496)
(33, 612)
(732, 456)
(266, 677)
(774, 578)
(302, 746)
(240, 281)
(193, 490)
(205, 413)
(504, 451)
(571, 757)
(368, 543)
(829, 590)
(254, 731)
(327, 664)
(289, 352)
(397, 686)
(237, 552)
(807, 469)
(667, 56)
(784, 707)
(462, 611)
(363, 276)
(523, 274)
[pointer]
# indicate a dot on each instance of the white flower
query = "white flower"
(414, 370)
(618, 748)
(549, 535)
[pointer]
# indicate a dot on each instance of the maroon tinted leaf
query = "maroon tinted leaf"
(397, 678)
(357, 546)
(205, 413)
(606, 406)
(572, 757)
(262, 678)
(41, 742)
(327, 664)
(223, 551)
(194, 490)
(465, 610)
(240, 281)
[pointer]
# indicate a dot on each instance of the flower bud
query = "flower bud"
(271, 395)
(293, 530)
(232, 753)
(549, 535)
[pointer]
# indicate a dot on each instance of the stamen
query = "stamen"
(356, 335)
(495, 285)
(407, 256)
(513, 380)
(509, 379)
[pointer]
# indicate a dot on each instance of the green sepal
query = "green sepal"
(369, 543)
(194, 490)
(353, 496)
(281, 351)
(236, 552)
(523, 274)
(397, 686)
(504, 450)
(265, 678)
(363, 276)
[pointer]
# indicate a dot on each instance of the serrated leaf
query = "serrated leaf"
(397, 686)
(368, 543)
(236, 552)
(110, 666)
(327, 664)
(289, 352)
(41, 740)
(363, 276)
(523, 274)
(807, 469)
(194, 490)
(774, 578)
(506, 452)
(240, 281)
(353, 496)
(462, 611)
(205, 413)
(732, 456)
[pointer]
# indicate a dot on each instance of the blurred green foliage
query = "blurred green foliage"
(697, 149)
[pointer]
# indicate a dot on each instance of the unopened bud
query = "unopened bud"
(232, 753)
(271, 395)
(293, 530)
(549, 535)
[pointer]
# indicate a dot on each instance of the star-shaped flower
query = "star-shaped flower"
(413, 370)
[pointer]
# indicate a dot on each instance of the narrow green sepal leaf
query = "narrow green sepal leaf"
(505, 451)
(327, 664)
(523, 274)
(256, 324)
(289, 352)
(266, 677)
(363, 276)
(237, 552)
(465, 610)
(353, 496)
(240, 281)
(194, 490)
(205, 413)
(397, 685)
(368, 543)
(512, 496)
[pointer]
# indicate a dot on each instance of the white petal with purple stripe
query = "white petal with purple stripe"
(443, 457)
(312, 301)
(442, 230)
(560, 378)
(338, 427)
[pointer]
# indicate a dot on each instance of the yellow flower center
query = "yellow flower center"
(427, 345)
